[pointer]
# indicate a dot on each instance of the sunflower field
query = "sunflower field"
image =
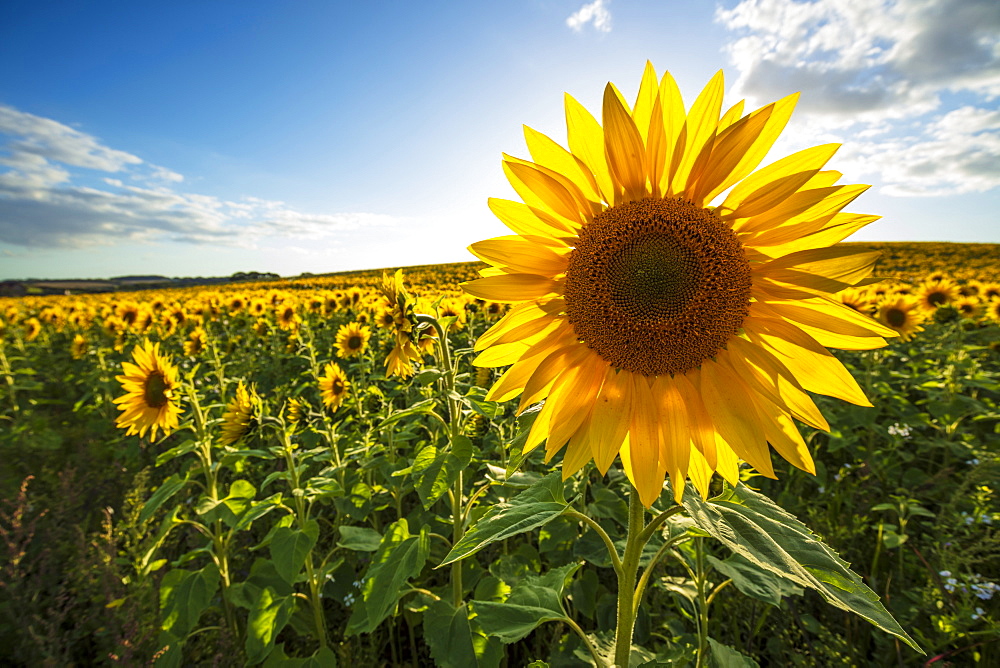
(561, 456)
(303, 502)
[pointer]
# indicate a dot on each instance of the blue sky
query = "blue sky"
(207, 138)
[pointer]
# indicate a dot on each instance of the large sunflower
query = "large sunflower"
(681, 334)
(151, 400)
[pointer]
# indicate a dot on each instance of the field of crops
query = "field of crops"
(338, 490)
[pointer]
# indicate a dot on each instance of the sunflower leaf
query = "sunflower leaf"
(771, 539)
(532, 508)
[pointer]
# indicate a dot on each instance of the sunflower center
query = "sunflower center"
(937, 298)
(155, 394)
(354, 343)
(896, 317)
(657, 286)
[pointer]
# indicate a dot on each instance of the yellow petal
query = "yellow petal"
(623, 148)
(543, 189)
(610, 419)
(675, 438)
(520, 255)
(649, 91)
(673, 117)
(586, 141)
(728, 400)
(575, 393)
(812, 365)
(529, 222)
(512, 287)
(810, 161)
(547, 153)
(559, 362)
(699, 129)
(785, 438)
(644, 443)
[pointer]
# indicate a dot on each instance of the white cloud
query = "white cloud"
(893, 79)
(595, 13)
(44, 204)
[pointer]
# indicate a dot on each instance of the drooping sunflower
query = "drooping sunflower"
(903, 315)
(151, 400)
(333, 385)
(657, 325)
(352, 339)
(399, 361)
(242, 414)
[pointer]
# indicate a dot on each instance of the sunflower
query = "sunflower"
(969, 307)
(989, 291)
(993, 309)
(352, 339)
(399, 362)
(933, 294)
(196, 342)
(150, 401)
(384, 318)
(294, 410)
(287, 318)
(453, 308)
(333, 386)
(857, 300)
(32, 328)
(241, 416)
(903, 315)
(78, 348)
(679, 334)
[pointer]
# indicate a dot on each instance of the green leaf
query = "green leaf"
(534, 600)
(425, 406)
(427, 376)
(234, 504)
(173, 453)
(170, 486)
(723, 656)
(359, 539)
(400, 556)
(290, 547)
(184, 595)
(449, 636)
(434, 472)
(752, 581)
(258, 510)
(756, 528)
(516, 446)
(269, 615)
(532, 508)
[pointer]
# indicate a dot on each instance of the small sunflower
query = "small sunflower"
(78, 348)
(988, 291)
(151, 400)
(657, 325)
(352, 339)
(384, 318)
(32, 328)
(993, 309)
(333, 385)
(294, 410)
(287, 318)
(932, 294)
(903, 315)
(857, 300)
(968, 307)
(196, 343)
(242, 415)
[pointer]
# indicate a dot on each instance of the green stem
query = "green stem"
(302, 516)
(702, 602)
(586, 641)
(626, 580)
(615, 559)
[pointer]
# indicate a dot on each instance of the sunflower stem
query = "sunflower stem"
(626, 580)
(701, 581)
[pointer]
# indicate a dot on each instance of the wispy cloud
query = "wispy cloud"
(43, 202)
(899, 80)
(595, 13)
